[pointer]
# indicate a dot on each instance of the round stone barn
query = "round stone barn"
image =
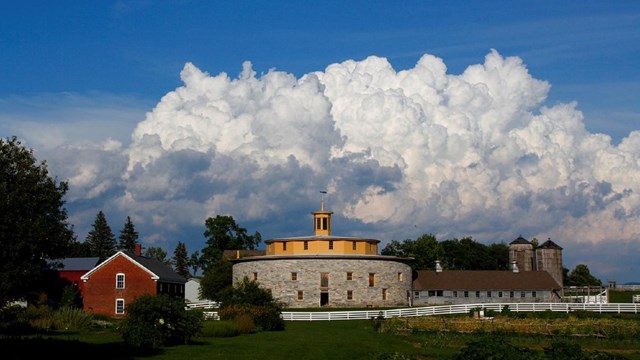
(325, 270)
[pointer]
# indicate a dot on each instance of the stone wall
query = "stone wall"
(276, 275)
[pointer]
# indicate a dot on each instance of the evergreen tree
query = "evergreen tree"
(181, 260)
(128, 236)
(102, 242)
(33, 221)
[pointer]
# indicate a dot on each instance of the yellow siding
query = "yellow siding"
(340, 247)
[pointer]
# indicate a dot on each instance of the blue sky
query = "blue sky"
(94, 88)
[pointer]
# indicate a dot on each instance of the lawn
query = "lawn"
(349, 339)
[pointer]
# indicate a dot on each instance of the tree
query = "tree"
(181, 260)
(425, 250)
(581, 276)
(102, 242)
(196, 262)
(216, 283)
(128, 236)
(223, 233)
(33, 221)
(158, 254)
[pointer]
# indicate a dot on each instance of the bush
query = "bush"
(247, 298)
(14, 322)
(495, 348)
(67, 318)
(220, 329)
(153, 321)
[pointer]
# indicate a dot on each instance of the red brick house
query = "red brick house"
(123, 277)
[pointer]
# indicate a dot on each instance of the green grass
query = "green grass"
(347, 339)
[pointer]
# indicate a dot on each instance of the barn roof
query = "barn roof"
(484, 280)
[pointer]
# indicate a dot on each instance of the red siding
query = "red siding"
(100, 291)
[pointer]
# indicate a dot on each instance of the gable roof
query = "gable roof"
(74, 264)
(484, 280)
(157, 269)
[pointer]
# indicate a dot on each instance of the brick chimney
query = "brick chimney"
(138, 250)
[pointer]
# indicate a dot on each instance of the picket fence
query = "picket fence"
(448, 310)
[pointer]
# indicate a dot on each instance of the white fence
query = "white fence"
(450, 310)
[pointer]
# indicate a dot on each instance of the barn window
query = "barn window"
(353, 245)
(331, 245)
(300, 295)
(499, 293)
(466, 294)
(255, 276)
(349, 294)
(511, 294)
(533, 294)
(384, 294)
(306, 245)
(294, 276)
(349, 276)
(284, 246)
(120, 281)
(372, 279)
(477, 294)
(400, 277)
(119, 306)
(523, 294)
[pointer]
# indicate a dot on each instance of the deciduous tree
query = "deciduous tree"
(33, 220)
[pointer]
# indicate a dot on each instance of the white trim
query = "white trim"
(86, 276)
(116, 306)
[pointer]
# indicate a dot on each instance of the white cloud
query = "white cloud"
(475, 154)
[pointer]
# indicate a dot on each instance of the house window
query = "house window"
(466, 294)
(120, 281)
(533, 294)
(300, 295)
(255, 276)
(330, 244)
(400, 276)
(119, 306)
(284, 246)
(294, 276)
(477, 294)
(499, 294)
(488, 294)
(384, 294)
(324, 279)
(353, 245)
(349, 276)
(372, 279)
(349, 294)
(522, 294)
(511, 294)
(306, 245)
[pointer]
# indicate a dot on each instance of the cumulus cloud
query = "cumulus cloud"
(474, 154)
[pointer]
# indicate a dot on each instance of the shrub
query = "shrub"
(220, 329)
(14, 322)
(248, 298)
(67, 318)
(153, 321)
(495, 348)
(560, 350)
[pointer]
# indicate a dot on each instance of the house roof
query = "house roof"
(484, 280)
(157, 269)
(234, 254)
(75, 264)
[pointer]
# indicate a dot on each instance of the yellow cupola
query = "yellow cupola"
(322, 221)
